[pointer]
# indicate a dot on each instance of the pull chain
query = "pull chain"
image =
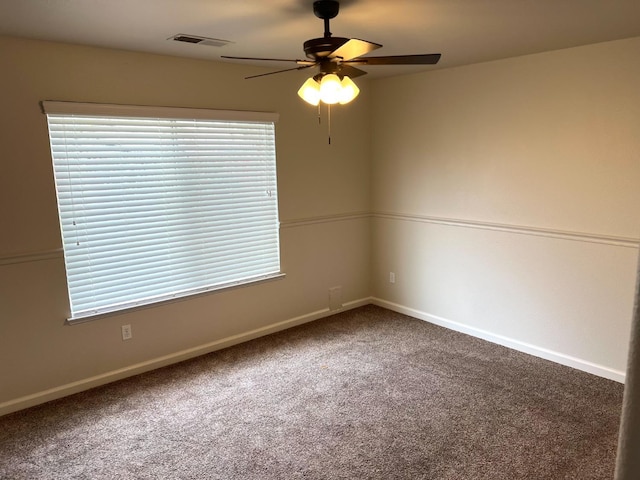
(328, 119)
(329, 122)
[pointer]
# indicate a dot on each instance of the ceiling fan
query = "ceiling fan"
(337, 59)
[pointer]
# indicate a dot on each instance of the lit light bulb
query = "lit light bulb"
(330, 89)
(349, 90)
(310, 92)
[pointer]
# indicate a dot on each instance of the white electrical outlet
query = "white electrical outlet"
(392, 277)
(127, 334)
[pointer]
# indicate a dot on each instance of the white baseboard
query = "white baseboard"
(534, 350)
(129, 371)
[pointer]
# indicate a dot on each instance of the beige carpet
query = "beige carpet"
(366, 394)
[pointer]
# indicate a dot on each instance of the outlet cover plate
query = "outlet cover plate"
(127, 334)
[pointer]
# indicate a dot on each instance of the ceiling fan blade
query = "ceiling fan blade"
(426, 59)
(280, 71)
(299, 62)
(351, 72)
(354, 48)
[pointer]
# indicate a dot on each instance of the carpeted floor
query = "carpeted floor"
(365, 394)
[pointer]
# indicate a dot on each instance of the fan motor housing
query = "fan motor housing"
(321, 47)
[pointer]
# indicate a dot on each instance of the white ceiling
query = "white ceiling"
(464, 31)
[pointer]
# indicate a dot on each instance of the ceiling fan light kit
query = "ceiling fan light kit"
(329, 89)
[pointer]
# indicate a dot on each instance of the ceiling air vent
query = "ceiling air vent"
(210, 42)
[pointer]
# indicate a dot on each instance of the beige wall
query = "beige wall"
(323, 193)
(506, 197)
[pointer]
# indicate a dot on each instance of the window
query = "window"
(159, 203)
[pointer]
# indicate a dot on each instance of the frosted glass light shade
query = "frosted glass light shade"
(310, 92)
(349, 90)
(330, 89)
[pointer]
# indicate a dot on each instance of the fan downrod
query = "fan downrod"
(319, 48)
(326, 10)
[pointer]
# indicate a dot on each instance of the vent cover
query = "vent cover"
(210, 42)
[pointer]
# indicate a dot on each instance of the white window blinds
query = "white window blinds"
(160, 203)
